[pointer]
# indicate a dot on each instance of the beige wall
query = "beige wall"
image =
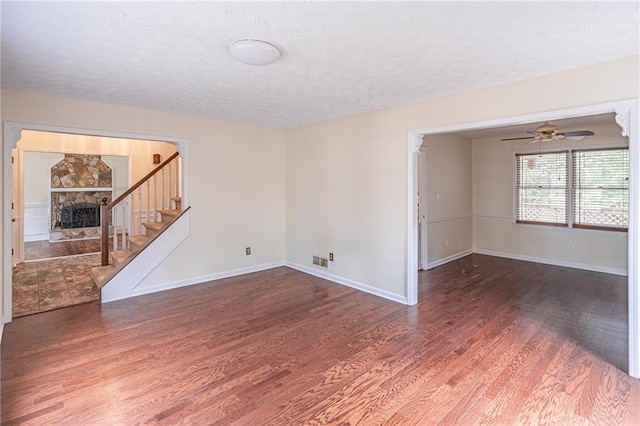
(449, 196)
(493, 198)
(236, 179)
(37, 175)
(346, 182)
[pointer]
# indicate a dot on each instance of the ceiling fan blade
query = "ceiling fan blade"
(534, 141)
(517, 139)
(579, 133)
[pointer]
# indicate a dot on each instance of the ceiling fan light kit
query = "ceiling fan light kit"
(547, 132)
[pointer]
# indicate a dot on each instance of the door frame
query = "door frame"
(423, 213)
(12, 133)
(627, 116)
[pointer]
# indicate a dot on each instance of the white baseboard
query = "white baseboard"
(448, 259)
(554, 262)
(349, 283)
(203, 279)
(36, 237)
(1, 331)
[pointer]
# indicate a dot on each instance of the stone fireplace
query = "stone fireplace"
(78, 184)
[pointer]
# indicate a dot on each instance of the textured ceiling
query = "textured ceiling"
(338, 58)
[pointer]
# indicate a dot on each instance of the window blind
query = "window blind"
(601, 189)
(542, 195)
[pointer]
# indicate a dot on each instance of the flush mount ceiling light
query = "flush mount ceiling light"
(254, 52)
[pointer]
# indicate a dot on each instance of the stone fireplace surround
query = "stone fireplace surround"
(78, 179)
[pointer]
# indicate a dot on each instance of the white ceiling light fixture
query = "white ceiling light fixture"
(254, 52)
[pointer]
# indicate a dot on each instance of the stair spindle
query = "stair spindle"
(139, 213)
(178, 177)
(155, 198)
(114, 218)
(162, 178)
(148, 201)
(123, 211)
(170, 184)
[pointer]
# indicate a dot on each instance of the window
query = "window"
(579, 189)
(541, 188)
(601, 189)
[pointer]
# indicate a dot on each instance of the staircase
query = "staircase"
(130, 225)
(101, 275)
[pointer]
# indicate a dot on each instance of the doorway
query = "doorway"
(626, 116)
(120, 150)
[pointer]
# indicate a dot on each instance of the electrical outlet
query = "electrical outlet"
(324, 263)
(316, 260)
(330, 257)
(446, 243)
(247, 251)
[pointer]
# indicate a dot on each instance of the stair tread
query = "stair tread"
(178, 202)
(138, 239)
(139, 242)
(154, 225)
(155, 228)
(171, 212)
(101, 274)
(119, 256)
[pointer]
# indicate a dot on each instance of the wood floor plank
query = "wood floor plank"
(491, 341)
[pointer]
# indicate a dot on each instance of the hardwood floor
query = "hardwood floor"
(34, 250)
(492, 341)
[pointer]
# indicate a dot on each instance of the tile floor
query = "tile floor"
(45, 285)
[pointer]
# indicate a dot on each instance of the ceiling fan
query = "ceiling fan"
(548, 132)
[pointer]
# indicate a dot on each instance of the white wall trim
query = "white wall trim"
(582, 111)
(448, 218)
(554, 262)
(451, 258)
(349, 283)
(627, 116)
(423, 206)
(493, 216)
(413, 150)
(12, 132)
(1, 331)
(203, 279)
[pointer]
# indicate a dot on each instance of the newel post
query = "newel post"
(104, 223)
